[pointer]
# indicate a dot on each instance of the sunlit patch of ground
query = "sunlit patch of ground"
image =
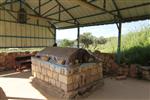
(17, 86)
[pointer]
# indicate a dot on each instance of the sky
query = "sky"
(102, 30)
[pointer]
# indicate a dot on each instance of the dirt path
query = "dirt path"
(17, 87)
(129, 89)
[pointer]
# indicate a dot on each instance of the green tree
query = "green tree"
(100, 40)
(86, 39)
(66, 43)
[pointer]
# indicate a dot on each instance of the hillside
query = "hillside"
(135, 46)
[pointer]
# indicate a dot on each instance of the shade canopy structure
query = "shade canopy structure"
(33, 23)
(72, 13)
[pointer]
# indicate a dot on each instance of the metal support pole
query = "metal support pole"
(54, 35)
(119, 25)
(20, 3)
(39, 11)
(78, 37)
(39, 7)
(11, 5)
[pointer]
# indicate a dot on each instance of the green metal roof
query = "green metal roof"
(72, 13)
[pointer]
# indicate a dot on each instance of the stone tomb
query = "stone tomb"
(67, 81)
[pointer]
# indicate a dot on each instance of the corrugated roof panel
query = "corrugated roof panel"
(63, 16)
(144, 10)
(32, 3)
(108, 5)
(81, 11)
(136, 12)
(63, 24)
(43, 1)
(2, 1)
(52, 12)
(68, 3)
(86, 12)
(95, 19)
(43, 23)
(129, 3)
(48, 6)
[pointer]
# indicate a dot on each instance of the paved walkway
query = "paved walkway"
(17, 87)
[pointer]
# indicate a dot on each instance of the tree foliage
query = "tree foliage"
(135, 46)
(99, 41)
(66, 43)
(86, 39)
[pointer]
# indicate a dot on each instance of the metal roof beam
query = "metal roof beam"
(6, 0)
(109, 22)
(62, 10)
(37, 13)
(38, 17)
(26, 23)
(102, 9)
(42, 4)
(59, 16)
(11, 5)
(27, 5)
(49, 10)
(39, 7)
(119, 25)
(66, 9)
(76, 22)
(104, 4)
(125, 8)
(116, 6)
(53, 32)
(12, 15)
(6, 3)
(52, 25)
(20, 4)
(9, 11)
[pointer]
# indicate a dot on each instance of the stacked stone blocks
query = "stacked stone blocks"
(68, 79)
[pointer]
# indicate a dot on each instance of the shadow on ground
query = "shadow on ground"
(14, 74)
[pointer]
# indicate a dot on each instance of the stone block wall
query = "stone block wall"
(7, 60)
(68, 79)
(145, 72)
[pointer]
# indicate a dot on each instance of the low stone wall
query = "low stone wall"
(71, 80)
(144, 71)
(7, 60)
